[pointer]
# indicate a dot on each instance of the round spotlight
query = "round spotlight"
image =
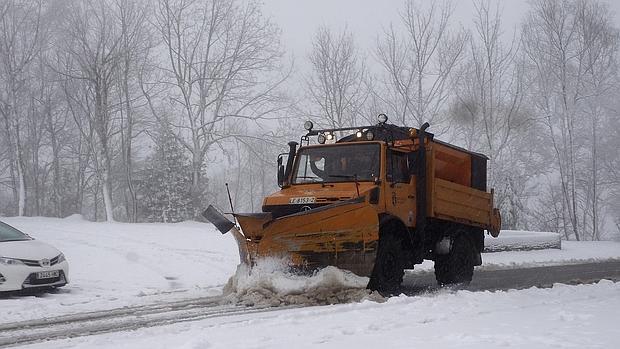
(382, 118)
(359, 134)
(330, 136)
(308, 125)
(369, 135)
(321, 138)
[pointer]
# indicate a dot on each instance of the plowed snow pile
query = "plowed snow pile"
(271, 283)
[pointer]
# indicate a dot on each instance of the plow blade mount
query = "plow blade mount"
(344, 234)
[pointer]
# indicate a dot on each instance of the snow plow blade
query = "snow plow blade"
(343, 234)
(224, 226)
(216, 218)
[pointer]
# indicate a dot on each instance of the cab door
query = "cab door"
(399, 187)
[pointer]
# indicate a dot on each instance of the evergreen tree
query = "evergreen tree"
(166, 185)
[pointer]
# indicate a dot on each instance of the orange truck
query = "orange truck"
(375, 202)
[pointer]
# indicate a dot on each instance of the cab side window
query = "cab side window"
(397, 167)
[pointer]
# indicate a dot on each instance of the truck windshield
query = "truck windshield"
(338, 163)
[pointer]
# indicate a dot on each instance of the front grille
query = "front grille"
(33, 263)
(32, 280)
(54, 260)
(285, 210)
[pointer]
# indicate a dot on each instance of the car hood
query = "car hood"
(28, 249)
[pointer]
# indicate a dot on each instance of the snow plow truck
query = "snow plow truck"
(376, 201)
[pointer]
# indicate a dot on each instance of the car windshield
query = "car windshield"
(338, 163)
(8, 233)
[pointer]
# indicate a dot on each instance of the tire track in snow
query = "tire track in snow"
(121, 319)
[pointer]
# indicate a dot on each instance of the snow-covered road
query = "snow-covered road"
(583, 316)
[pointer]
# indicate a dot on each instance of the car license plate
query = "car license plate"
(303, 200)
(48, 274)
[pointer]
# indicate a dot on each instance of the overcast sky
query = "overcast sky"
(299, 19)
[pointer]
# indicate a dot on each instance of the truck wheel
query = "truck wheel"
(387, 274)
(456, 267)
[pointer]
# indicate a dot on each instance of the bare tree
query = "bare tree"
(93, 44)
(600, 43)
(488, 104)
(221, 58)
(419, 64)
(20, 40)
(570, 46)
(134, 48)
(337, 84)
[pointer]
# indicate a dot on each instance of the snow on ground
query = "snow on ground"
(583, 316)
(116, 264)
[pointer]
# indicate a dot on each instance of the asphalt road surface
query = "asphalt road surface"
(505, 279)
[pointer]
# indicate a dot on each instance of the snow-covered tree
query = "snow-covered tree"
(167, 182)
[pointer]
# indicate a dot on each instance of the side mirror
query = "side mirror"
(280, 172)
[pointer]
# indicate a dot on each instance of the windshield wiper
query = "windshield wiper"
(307, 177)
(343, 176)
(14, 240)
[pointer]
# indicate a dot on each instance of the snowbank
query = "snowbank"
(516, 240)
(271, 283)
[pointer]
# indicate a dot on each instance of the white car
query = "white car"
(26, 263)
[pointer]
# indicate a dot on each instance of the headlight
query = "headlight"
(61, 258)
(10, 261)
(369, 135)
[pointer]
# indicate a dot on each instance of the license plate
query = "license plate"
(302, 200)
(48, 274)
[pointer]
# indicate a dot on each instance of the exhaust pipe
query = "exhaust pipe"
(421, 213)
(289, 162)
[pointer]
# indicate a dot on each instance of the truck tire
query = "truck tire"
(456, 267)
(387, 274)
